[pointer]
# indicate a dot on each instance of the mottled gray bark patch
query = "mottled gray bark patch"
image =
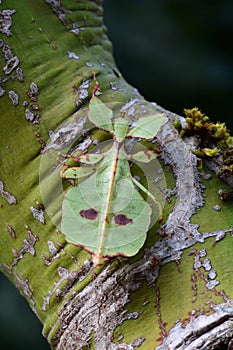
(82, 92)
(32, 94)
(96, 307)
(34, 89)
(72, 55)
(138, 342)
(71, 277)
(38, 214)
(59, 10)
(6, 21)
(2, 91)
(11, 61)
(65, 135)
(202, 332)
(6, 50)
(7, 195)
(19, 74)
(11, 64)
(24, 287)
(28, 247)
(203, 270)
(14, 97)
(54, 253)
(29, 115)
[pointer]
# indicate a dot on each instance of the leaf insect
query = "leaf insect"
(105, 214)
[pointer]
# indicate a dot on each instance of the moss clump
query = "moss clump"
(215, 139)
(211, 133)
(203, 152)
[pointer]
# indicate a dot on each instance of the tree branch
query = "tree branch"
(181, 279)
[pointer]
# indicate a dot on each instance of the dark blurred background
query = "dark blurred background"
(178, 53)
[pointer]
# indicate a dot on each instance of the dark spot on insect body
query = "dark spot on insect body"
(89, 214)
(122, 220)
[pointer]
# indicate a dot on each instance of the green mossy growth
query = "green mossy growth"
(210, 132)
(215, 139)
(177, 125)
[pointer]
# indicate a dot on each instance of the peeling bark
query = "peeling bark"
(203, 332)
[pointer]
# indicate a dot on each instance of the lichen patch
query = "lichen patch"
(65, 136)
(7, 195)
(28, 247)
(38, 214)
(202, 332)
(11, 64)
(14, 97)
(82, 92)
(24, 286)
(54, 253)
(71, 277)
(72, 55)
(11, 71)
(6, 21)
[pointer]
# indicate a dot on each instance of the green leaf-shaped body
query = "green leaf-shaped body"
(105, 213)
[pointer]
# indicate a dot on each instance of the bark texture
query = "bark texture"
(177, 292)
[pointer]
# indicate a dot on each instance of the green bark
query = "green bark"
(177, 291)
